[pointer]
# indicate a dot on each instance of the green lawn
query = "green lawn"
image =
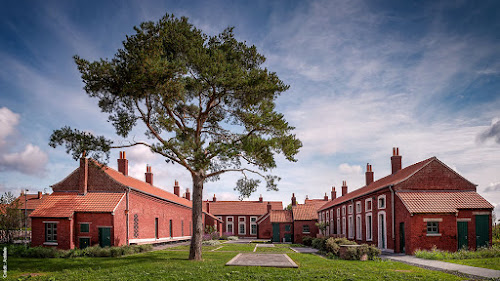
(174, 265)
(491, 263)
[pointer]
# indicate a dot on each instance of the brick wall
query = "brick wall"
(265, 229)
(236, 225)
(64, 232)
(95, 221)
(297, 230)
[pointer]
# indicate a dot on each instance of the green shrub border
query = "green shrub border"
(94, 251)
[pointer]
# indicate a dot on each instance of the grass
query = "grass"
(491, 263)
(483, 257)
(174, 265)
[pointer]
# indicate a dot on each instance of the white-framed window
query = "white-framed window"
(433, 226)
(253, 225)
(331, 213)
(351, 227)
(382, 230)
(343, 210)
(350, 209)
(369, 227)
(343, 225)
(381, 201)
(229, 225)
(338, 212)
(359, 228)
(327, 216)
(50, 232)
(305, 228)
(332, 229)
(368, 205)
(323, 216)
(338, 226)
(358, 207)
(242, 225)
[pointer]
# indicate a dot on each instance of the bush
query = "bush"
(307, 240)
(319, 243)
(331, 246)
(232, 238)
(373, 252)
(435, 254)
(94, 251)
(211, 243)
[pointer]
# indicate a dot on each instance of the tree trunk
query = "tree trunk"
(197, 235)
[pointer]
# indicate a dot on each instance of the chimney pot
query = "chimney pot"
(369, 174)
(294, 200)
(334, 193)
(344, 188)
(214, 199)
(39, 195)
(261, 199)
(149, 175)
(188, 194)
(176, 188)
(326, 197)
(396, 164)
(123, 164)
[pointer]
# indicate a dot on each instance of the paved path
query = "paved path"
(472, 271)
(271, 260)
(304, 250)
(170, 245)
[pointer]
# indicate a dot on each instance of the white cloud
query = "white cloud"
(345, 168)
(492, 187)
(8, 122)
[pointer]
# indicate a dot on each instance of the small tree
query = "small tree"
(10, 217)
(322, 226)
(206, 102)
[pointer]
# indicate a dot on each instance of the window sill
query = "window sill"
(50, 243)
(369, 239)
(433, 234)
(306, 232)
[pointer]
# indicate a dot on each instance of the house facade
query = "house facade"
(423, 205)
(97, 205)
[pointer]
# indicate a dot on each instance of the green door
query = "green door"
(104, 236)
(276, 232)
(402, 246)
(288, 237)
(482, 230)
(462, 229)
(84, 243)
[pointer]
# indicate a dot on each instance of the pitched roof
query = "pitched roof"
(32, 201)
(392, 179)
(442, 202)
(281, 216)
(65, 204)
(305, 212)
(145, 187)
(250, 208)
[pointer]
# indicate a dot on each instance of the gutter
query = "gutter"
(393, 215)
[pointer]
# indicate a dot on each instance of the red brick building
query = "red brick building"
(240, 218)
(28, 203)
(423, 205)
(97, 205)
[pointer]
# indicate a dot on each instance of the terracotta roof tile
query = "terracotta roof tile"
(32, 201)
(250, 208)
(305, 212)
(281, 216)
(395, 178)
(63, 205)
(442, 202)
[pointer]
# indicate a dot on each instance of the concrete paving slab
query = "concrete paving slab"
(305, 250)
(472, 271)
(264, 245)
(268, 260)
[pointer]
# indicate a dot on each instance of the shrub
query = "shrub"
(352, 253)
(211, 243)
(94, 251)
(207, 237)
(435, 254)
(319, 243)
(331, 246)
(307, 240)
(232, 238)
(42, 252)
(344, 241)
(373, 252)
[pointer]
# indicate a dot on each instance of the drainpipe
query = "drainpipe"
(126, 212)
(393, 215)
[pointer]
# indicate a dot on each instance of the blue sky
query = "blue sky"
(365, 76)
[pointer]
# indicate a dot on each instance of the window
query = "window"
(327, 216)
(323, 217)
(84, 227)
(369, 230)
(350, 209)
(51, 232)
(242, 226)
(359, 231)
(288, 227)
(338, 212)
(338, 226)
(358, 207)
(381, 202)
(305, 228)
(253, 225)
(351, 227)
(368, 205)
(432, 227)
(229, 225)
(343, 210)
(343, 225)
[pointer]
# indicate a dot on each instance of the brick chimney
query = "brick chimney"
(334, 193)
(176, 188)
(188, 194)
(395, 160)
(369, 174)
(261, 199)
(344, 188)
(123, 164)
(294, 200)
(326, 197)
(269, 207)
(149, 175)
(84, 175)
(208, 206)
(214, 199)
(39, 195)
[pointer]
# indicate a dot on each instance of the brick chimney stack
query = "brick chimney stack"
(261, 199)
(176, 188)
(214, 199)
(369, 174)
(344, 188)
(188, 194)
(395, 160)
(123, 164)
(334, 193)
(39, 195)
(84, 175)
(149, 175)
(326, 197)
(294, 200)
(269, 207)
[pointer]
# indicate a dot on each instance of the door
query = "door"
(402, 246)
(156, 228)
(104, 236)
(462, 229)
(84, 243)
(288, 237)
(276, 232)
(482, 230)
(171, 230)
